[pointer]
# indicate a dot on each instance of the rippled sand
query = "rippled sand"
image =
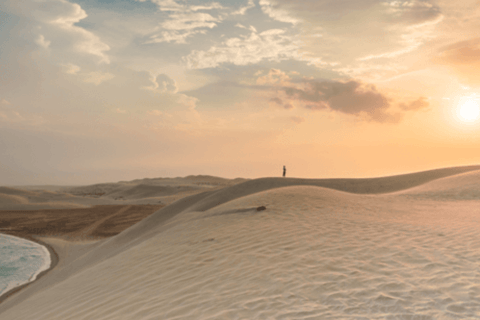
(314, 253)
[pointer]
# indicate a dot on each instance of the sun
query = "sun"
(469, 111)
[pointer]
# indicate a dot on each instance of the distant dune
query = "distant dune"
(137, 192)
(400, 247)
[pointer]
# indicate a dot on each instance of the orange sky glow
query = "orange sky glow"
(100, 90)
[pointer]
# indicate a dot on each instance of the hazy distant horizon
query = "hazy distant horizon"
(91, 182)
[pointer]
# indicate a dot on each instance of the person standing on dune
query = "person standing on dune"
(284, 171)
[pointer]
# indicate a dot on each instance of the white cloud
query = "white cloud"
(184, 21)
(375, 29)
(174, 36)
(271, 45)
(42, 42)
(239, 25)
(274, 12)
(161, 84)
(172, 5)
(188, 21)
(59, 18)
(243, 10)
(70, 68)
(189, 102)
(211, 6)
(97, 78)
(168, 5)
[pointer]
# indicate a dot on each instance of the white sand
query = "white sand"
(315, 253)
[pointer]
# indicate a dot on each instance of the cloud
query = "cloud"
(271, 45)
(174, 36)
(167, 5)
(463, 52)
(190, 20)
(189, 102)
(239, 25)
(464, 58)
(42, 42)
(410, 38)
(297, 120)
(330, 13)
(211, 6)
(413, 12)
(97, 78)
(274, 11)
(184, 21)
(281, 103)
(277, 100)
(155, 112)
(172, 5)
(244, 9)
(12, 116)
(162, 83)
(60, 16)
(7, 113)
(420, 103)
(54, 24)
(350, 97)
(376, 29)
(118, 110)
(70, 68)
(274, 77)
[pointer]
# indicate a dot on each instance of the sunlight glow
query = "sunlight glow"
(469, 111)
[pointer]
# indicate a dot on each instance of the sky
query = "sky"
(106, 90)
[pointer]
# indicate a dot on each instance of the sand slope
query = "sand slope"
(137, 192)
(458, 187)
(404, 247)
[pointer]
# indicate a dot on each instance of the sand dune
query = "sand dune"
(403, 247)
(9, 199)
(459, 187)
(20, 199)
(138, 192)
(148, 191)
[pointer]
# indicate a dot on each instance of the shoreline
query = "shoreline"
(54, 259)
(95, 223)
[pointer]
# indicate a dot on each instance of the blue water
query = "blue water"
(20, 261)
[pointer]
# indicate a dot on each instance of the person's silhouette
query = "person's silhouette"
(284, 171)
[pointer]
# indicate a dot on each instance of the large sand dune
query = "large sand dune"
(402, 247)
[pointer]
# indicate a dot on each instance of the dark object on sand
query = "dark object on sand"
(261, 208)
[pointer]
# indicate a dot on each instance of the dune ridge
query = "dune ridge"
(251, 245)
(137, 192)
